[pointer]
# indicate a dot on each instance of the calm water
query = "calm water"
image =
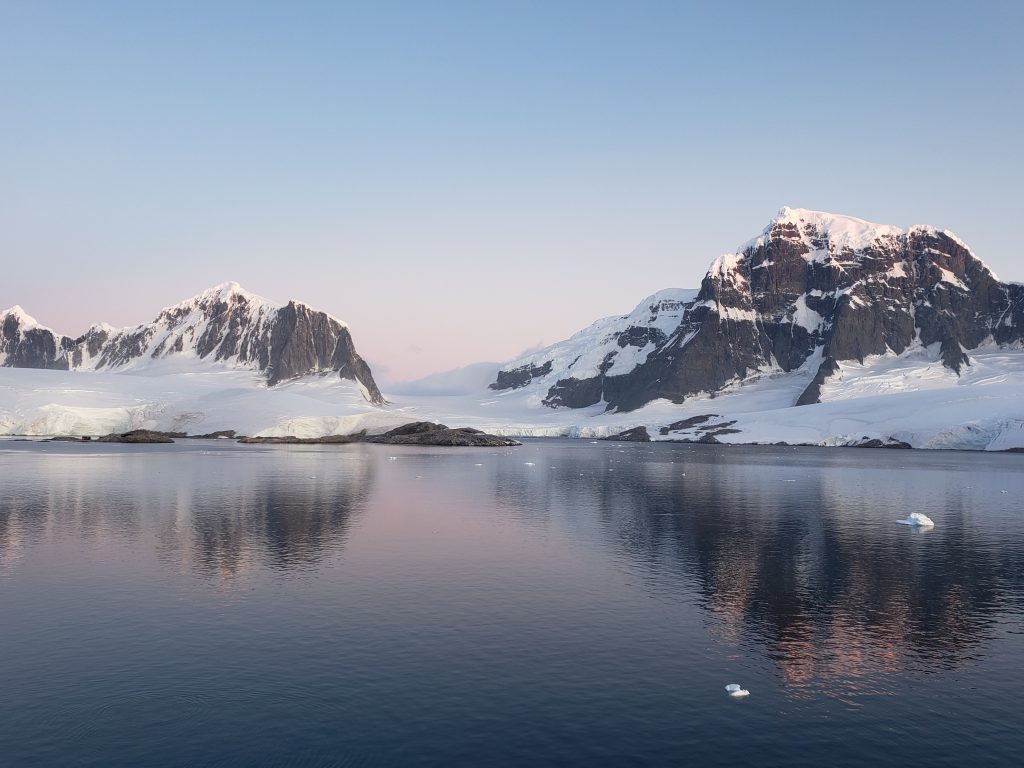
(212, 604)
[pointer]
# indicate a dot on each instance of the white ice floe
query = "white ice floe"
(917, 520)
(735, 689)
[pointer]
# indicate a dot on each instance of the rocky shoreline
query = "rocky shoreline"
(425, 433)
(417, 433)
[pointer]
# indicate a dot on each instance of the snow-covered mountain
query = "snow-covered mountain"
(224, 325)
(813, 291)
(884, 336)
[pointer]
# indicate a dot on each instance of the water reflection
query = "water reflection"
(797, 556)
(215, 514)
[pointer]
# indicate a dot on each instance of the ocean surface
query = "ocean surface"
(564, 603)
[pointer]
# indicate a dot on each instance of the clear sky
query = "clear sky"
(463, 180)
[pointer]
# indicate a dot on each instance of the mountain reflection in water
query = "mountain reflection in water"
(794, 554)
(214, 513)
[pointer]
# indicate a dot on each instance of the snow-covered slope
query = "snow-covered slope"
(42, 402)
(224, 325)
(611, 346)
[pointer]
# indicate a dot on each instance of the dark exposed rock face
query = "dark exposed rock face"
(699, 429)
(223, 324)
(812, 291)
(520, 377)
(690, 423)
(24, 344)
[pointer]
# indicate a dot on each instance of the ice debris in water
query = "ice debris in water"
(529, 464)
(735, 689)
(918, 520)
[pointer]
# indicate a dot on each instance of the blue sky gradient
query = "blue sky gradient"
(460, 181)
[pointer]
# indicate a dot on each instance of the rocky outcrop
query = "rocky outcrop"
(224, 324)
(634, 435)
(813, 290)
(416, 433)
(220, 434)
(140, 436)
(428, 433)
(520, 377)
(874, 442)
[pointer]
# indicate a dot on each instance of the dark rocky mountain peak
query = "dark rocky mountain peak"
(224, 324)
(812, 290)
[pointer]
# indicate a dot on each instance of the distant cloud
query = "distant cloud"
(537, 347)
(467, 380)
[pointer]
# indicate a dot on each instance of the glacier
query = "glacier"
(912, 398)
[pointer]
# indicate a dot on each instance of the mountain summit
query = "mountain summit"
(812, 290)
(224, 324)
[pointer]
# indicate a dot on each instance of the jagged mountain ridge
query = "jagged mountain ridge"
(814, 289)
(224, 324)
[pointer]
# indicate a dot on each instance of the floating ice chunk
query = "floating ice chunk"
(478, 465)
(917, 520)
(735, 689)
(529, 464)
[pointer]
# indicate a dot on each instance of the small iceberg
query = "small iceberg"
(917, 520)
(735, 689)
